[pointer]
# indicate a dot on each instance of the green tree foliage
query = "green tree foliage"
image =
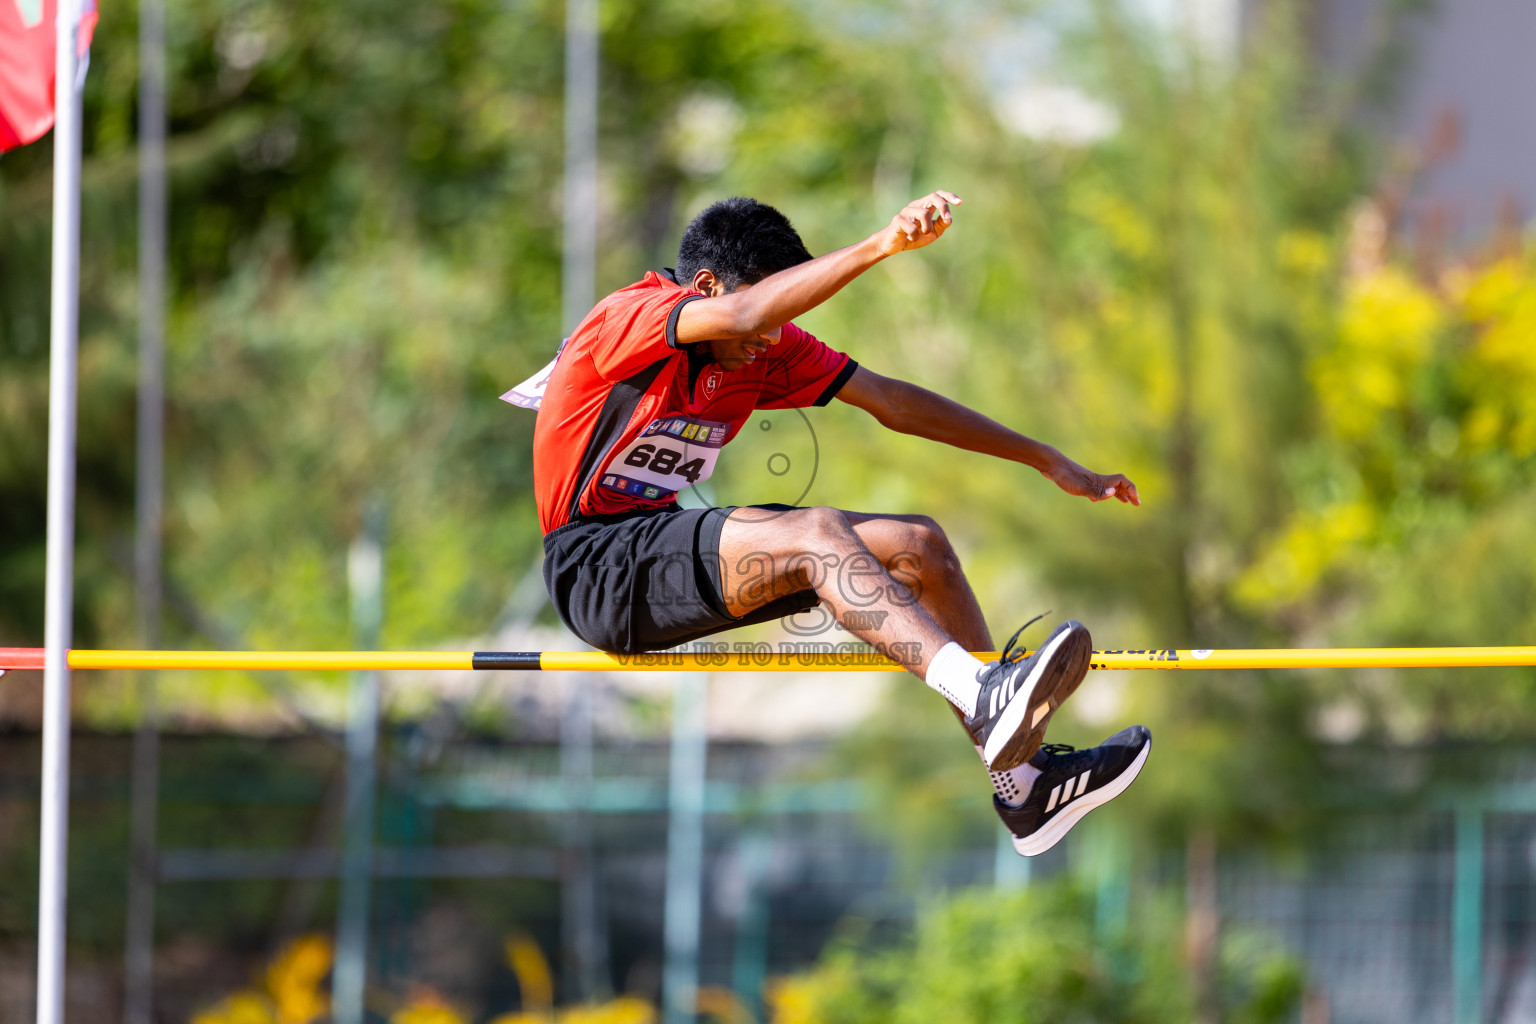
(364, 243)
(365, 252)
(1333, 447)
(1321, 444)
(1028, 957)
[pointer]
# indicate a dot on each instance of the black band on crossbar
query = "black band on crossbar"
(505, 659)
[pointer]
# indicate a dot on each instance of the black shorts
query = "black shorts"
(647, 580)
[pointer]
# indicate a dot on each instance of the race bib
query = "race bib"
(669, 455)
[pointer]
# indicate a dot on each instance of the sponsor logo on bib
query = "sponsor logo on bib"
(670, 454)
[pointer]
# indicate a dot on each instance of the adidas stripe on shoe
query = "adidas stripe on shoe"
(1072, 783)
(1019, 694)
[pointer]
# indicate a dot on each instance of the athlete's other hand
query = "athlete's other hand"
(919, 223)
(1074, 479)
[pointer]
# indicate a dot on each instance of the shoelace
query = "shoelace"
(1065, 751)
(1010, 654)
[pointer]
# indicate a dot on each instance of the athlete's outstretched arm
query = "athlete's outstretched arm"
(913, 410)
(779, 298)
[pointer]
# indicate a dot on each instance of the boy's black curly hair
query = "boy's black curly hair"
(741, 240)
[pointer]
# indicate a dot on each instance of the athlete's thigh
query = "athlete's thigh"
(898, 540)
(767, 553)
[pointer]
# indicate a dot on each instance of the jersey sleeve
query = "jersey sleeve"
(803, 372)
(631, 335)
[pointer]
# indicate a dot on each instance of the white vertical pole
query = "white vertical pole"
(578, 275)
(57, 628)
(582, 932)
(365, 576)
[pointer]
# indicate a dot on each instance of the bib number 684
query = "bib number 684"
(664, 461)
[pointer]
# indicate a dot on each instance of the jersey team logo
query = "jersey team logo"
(711, 383)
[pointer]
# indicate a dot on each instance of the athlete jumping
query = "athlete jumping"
(661, 375)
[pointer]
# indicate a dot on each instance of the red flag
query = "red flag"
(26, 66)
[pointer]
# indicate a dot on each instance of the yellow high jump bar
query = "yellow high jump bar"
(750, 657)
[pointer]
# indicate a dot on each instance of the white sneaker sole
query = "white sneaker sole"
(1012, 720)
(1056, 829)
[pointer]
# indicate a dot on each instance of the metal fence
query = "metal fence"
(1419, 918)
(1424, 915)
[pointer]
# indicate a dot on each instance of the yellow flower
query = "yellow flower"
(723, 1006)
(532, 970)
(245, 1007)
(294, 980)
(623, 1010)
(1388, 311)
(1501, 365)
(427, 1008)
(1494, 291)
(1314, 544)
(792, 1000)
(1388, 328)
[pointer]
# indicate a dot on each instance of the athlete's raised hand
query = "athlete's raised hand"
(1074, 479)
(919, 223)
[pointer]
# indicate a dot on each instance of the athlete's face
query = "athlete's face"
(737, 352)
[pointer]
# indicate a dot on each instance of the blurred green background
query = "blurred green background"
(1188, 259)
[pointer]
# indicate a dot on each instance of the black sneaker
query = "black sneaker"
(1019, 695)
(1072, 783)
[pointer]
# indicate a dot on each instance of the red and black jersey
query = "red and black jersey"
(622, 374)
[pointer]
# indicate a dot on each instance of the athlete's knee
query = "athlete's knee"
(925, 550)
(823, 540)
(823, 530)
(823, 518)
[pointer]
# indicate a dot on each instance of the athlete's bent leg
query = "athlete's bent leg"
(766, 555)
(769, 554)
(918, 544)
(915, 550)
